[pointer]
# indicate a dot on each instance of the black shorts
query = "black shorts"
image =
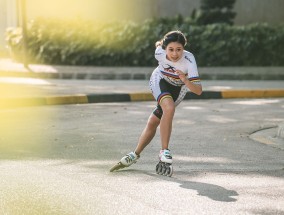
(162, 89)
(167, 90)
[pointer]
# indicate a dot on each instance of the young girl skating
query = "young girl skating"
(175, 75)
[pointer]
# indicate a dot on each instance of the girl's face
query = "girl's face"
(174, 51)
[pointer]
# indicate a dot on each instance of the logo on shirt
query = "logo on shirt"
(187, 58)
(170, 69)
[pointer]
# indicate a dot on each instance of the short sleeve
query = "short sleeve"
(193, 75)
(160, 53)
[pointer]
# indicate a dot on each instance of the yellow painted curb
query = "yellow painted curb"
(267, 93)
(141, 97)
(56, 100)
(20, 102)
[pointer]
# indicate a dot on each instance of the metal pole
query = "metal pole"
(24, 31)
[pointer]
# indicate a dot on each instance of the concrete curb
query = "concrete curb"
(131, 97)
(280, 131)
(270, 136)
(12, 69)
(134, 76)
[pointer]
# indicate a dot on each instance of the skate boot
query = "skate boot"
(126, 161)
(164, 167)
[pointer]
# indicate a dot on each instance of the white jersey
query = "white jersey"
(186, 64)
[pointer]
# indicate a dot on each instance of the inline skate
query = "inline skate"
(126, 161)
(164, 167)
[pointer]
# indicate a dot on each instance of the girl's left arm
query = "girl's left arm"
(195, 88)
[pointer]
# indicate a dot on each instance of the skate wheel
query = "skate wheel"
(169, 171)
(164, 169)
(117, 167)
(159, 168)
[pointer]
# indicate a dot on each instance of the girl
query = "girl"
(175, 75)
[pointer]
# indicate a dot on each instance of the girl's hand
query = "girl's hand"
(158, 43)
(181, 75)
(195, 88)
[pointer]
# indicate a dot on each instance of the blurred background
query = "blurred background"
(50, 52)
(122, 33)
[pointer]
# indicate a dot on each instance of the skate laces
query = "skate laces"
(131, 157)
(166, 153)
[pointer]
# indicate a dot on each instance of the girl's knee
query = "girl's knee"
(153, 122)
(169, 109)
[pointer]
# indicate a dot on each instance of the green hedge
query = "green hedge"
(80, 42)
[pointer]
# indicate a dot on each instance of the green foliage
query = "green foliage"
(80, 42)
(215, 11)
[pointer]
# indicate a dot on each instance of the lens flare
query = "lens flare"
(19, 120)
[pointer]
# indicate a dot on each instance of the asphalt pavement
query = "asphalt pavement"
(55, 160)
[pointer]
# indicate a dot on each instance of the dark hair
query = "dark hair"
(173, 36)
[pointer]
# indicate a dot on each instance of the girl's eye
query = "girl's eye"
(171, 50)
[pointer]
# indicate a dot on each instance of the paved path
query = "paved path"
(56, 160)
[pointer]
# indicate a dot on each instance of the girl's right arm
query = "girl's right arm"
(160, 53)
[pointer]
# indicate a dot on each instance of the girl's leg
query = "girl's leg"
(168, 107)
(145, 138)
(148, 133)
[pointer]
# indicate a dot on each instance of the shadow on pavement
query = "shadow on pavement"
(212, 191)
